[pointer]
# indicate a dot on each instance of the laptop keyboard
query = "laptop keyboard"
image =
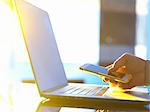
(97, 91)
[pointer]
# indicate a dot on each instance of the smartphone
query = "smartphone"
(103, 71)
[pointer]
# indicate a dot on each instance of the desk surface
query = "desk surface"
(19, 97)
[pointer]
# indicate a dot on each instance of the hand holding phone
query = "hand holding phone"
(103, 71)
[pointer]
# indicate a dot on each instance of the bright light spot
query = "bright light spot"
(142, 7)
(141, 51)
(76, 28)
(8, 31)
(9, 4)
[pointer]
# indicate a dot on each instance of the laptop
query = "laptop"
(48, 68)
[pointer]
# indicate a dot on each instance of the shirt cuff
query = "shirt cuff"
(147, 73)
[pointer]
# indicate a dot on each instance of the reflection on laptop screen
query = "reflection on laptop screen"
(41, 45)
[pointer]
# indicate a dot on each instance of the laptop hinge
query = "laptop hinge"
(55, 88)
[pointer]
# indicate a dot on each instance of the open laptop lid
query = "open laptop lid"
(41, 46)
(44, 56)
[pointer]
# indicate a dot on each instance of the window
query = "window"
(76, 28)
(141, 28)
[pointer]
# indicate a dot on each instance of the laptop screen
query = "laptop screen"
(41, 46)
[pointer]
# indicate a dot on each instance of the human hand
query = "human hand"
(129, 64)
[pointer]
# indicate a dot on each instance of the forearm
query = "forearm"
(147, 73)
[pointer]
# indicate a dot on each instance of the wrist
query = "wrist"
(147, 72)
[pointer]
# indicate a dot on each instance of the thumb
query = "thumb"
(121, 61)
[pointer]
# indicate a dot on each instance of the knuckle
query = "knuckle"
(125, 55)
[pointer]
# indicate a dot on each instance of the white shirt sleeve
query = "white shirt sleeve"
(147, 73)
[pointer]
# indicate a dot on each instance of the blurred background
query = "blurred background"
(86, 31)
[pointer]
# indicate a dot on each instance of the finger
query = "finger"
(109, 66)
(113, 84)
(125, 86)
(104, 79)
(128, 85)
(121, 61)
(113, 81)
(121, 69)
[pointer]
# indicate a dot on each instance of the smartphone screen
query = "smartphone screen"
(102, 71)
(94, 68)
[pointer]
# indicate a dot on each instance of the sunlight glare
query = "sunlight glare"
(119, 93)
(142, 7)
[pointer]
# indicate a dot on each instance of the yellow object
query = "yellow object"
(118, 93)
